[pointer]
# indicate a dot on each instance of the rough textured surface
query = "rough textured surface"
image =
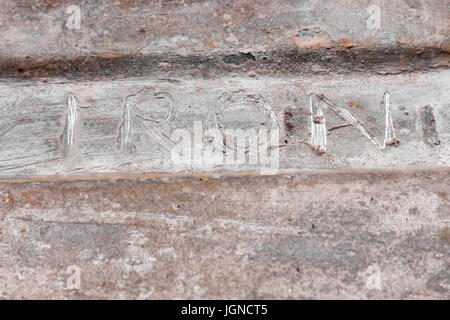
(35, 116)
(307, 61)
(211, 38)
(88, 187)
(38, 29)
(310, 235)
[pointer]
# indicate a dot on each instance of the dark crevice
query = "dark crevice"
(276, 63)
(430, 135)
(238, 58)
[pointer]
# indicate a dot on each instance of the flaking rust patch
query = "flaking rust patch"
(288, 120)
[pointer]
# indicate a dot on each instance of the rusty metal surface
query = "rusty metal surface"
(93, 204)
(39, 29)
(212, 38)
(35, 116)
(311, 235)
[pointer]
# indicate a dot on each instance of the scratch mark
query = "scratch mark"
(162, 139)
(34, 156)
(4, 129)
(27, 165)
(67, 139)
(389, 133)
(8, 126)
(235, 100)
(318, 127)
(128, 131)
(168, 218)
(347, 116)
(338, 127)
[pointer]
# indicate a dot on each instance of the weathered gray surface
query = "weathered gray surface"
(311, 235)
(34, 117)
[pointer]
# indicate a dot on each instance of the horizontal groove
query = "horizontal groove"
(378, 60)
(342, 174)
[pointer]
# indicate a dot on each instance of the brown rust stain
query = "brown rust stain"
(356, 106)
(288, 121)
(267, 31)
(33, 5)
(445, 46)
(312, 42)
(444, 235)
(442, 194)
(345, 43)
